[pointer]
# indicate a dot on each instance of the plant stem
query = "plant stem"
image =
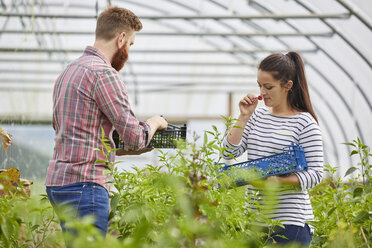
(364, 236)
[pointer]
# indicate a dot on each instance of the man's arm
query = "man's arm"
(111, 97)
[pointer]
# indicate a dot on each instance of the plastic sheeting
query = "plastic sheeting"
(191, 55)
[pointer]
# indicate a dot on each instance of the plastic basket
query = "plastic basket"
(292, 159)
(166, 138)
(161, 139)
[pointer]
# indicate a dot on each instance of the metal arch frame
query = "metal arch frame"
(37, 50)
(247, 39)
(355, 13)
(331, 58)
(173, 27)
(163, 24)
(332, 139)
(206, 41)
(326, 79)
(255, 44)
(189, 17)
(281, 17)
(56, 38)
(152, 74)
(338, 64)
(50, 81)
(284, 43)
(143, 62)
(66, 32)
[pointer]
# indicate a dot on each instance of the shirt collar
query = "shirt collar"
(90, 50)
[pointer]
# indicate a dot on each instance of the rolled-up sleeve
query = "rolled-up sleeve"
(234, 150)
(311, 141)
(111, 96)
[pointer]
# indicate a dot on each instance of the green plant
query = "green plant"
(364, 153)
(183, 203)
(180, 203)
(343, 208)
(28, 222)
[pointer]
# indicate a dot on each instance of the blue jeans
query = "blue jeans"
(296, 234)
(81, 199)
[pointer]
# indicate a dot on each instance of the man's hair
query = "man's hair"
(115, 20)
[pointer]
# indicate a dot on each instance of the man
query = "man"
(88, 95)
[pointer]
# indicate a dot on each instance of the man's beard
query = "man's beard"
(119, 58)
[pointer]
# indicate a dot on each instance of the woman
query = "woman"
(288, 117)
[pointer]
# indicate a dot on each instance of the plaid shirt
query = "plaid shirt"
(87, 95)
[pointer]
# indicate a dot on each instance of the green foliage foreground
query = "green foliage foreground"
(182, 204)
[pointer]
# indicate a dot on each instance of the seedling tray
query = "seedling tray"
(161, 139)
(292, 159)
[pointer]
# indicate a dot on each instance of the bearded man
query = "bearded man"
(90, 94)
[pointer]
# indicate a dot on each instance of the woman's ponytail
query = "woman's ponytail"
(299, 96)
(290, 67)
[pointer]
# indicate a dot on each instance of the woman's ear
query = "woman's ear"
(288, 85)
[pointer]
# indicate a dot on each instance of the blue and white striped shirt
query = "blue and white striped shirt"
(265, 135)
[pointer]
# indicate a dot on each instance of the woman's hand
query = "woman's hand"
(247, 105)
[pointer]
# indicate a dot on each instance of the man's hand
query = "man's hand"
(5, 138)
(156, 123)
(122, 152)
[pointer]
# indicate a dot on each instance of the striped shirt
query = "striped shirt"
(265, 135)
(88, 95)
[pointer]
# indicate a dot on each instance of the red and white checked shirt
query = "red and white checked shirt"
(87, 95)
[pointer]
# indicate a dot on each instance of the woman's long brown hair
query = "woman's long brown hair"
(290, 67)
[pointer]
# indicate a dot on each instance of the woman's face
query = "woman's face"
(272, 92)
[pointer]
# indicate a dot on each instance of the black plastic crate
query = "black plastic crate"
(161, 139)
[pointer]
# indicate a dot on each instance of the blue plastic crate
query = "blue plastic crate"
(290, 160)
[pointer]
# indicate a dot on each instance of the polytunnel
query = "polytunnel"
(192, 62)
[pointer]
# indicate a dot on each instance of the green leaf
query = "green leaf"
(313, 222)
(357, 192)
(214, 128)
(114, 202)
(238, 127)
(362, 216)
(359, 142)
(350, 170)
(281, 236)
(230, 155)
(331, 211)
(209, 132)
(205, 138)
(106, 172)
(100, 161)
(35, 227)
(103, 132)
(353, 152)
(349, 144)
(211, 143)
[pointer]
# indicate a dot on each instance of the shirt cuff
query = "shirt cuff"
(226, 143)
(147, 133)
(302, 179)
